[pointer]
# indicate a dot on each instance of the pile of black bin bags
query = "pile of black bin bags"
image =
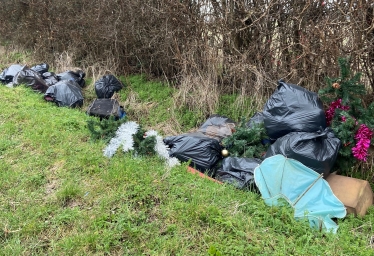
(295, 122)
(64, 89)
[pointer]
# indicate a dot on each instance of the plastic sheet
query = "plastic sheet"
(317, 150)
(292, 108)
(304, 189)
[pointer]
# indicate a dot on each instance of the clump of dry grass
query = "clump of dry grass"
(199, 94)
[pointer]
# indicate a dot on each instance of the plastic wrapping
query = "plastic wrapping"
(9, 73)
(292, 108)
(204, 152)
(304, 189)
(30, 78)
(238, 172)
(106, 86)
(65, 94)
(77, 76)
(317, 150)
(217, 127)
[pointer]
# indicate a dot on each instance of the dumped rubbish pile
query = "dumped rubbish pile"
(287, 150)
(64, 89)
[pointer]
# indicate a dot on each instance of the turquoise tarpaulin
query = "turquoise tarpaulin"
(304, 189)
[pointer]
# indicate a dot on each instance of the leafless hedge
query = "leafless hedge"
(240, 46)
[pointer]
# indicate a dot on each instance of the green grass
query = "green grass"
(60, 196)
(231, 106)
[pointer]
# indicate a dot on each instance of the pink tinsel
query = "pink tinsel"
(363, 137)
(330, 112)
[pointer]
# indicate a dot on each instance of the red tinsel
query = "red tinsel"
(363, 137)
(330, 112)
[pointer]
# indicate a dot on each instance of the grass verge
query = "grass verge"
(60, 196)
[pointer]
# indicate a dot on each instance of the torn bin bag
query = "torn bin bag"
(217, 127)
(316, 150)
(204, 152)
(292, 108)
(238, 171)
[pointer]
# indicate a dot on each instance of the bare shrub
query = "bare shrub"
(223, 46)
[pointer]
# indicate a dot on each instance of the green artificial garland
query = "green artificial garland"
(143, 145)
(247, 141)
(104, 129)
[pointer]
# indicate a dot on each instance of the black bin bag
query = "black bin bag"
(77, 76)
(106, 86)
(238, 172)
(292, 108)
(65, 94)
(316, 150)
(50, 78)
(40, 68)
(204, 152)
(256, 119)
(217, 127)
(30, 78)
(105, 108)
(9, 73)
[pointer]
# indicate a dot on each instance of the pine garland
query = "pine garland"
(345, 87)
(104, 129)
(143, 144)
(247, 141)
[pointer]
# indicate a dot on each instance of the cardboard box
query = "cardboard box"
(355, 194)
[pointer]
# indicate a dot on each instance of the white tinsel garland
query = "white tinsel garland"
(161, 150)
(124, 137)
